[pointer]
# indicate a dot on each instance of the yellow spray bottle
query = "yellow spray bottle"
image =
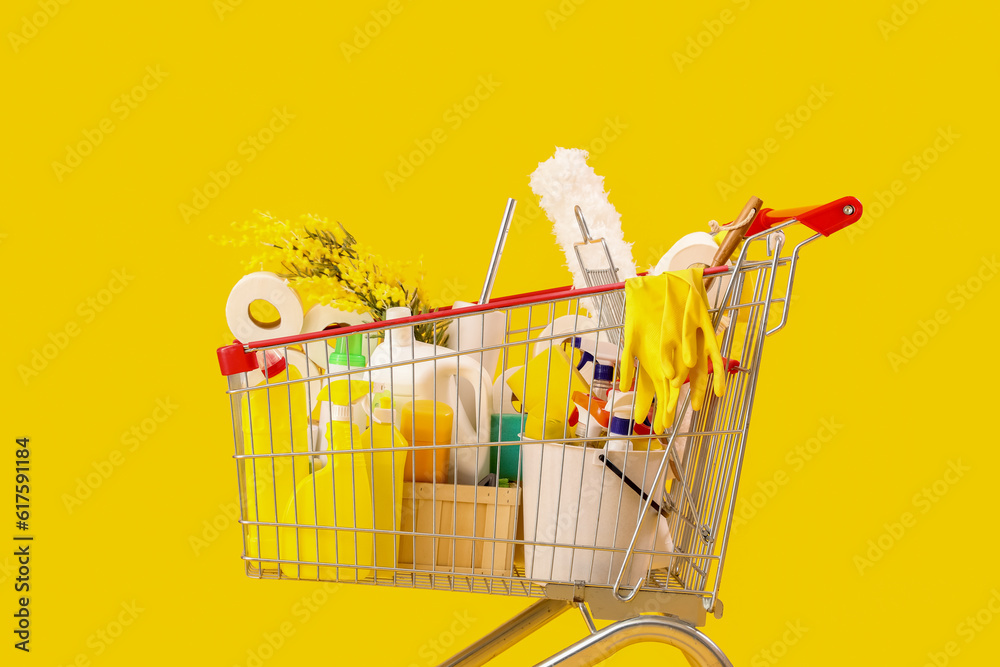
(337, 498)
(275, 421)
(386, 472)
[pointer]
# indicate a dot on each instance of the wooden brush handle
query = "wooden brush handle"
(735, 235)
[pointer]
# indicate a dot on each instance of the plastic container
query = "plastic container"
(340, 496)
(386, 475)
(434, 380)
(505, 458)
(275, 421)
(543, 389)
(604, 376)
(425, 424)
(571, 498)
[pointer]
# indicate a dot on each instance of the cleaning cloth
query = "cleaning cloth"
(669, 331)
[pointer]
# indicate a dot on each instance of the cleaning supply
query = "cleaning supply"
(346, 356)
(506, 425)
(439, 379)
(544, 388)
(604, 377)
(275, 421)
(620, 424)
(566, 180)
(593, 418)
(337, 498)
(425, 424)
(386, 472)
(669, 331)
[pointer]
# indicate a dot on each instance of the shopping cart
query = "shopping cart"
(637, 536)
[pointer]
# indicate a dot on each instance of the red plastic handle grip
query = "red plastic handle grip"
(825, 219)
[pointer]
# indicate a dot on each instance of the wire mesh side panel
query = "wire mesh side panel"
(480, 462)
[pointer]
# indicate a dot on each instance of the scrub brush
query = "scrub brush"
(565, 181)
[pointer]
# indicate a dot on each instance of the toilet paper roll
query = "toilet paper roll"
(269, 287)
(689, 250)
(319, 318)
(477, 331)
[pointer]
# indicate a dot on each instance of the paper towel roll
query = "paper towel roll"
(269, 287)
(476, 331)
(319, 318)
(694, 248)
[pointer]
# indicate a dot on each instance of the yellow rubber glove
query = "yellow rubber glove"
(674, 351)
(645, 297)
(697, 341)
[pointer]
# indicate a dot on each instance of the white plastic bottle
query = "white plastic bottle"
(434, 379)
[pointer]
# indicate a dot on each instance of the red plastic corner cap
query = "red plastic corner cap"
(234, 359)
(274, 363)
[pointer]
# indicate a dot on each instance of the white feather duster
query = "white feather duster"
(564, 181)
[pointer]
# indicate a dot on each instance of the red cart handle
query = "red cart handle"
(825, 219)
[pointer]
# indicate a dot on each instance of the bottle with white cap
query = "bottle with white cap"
(620, 405)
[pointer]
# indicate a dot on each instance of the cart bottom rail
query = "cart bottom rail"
(696, 647)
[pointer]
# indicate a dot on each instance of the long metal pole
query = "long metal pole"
(491, 274)
(508, 634)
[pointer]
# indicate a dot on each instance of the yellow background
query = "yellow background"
(566, 72)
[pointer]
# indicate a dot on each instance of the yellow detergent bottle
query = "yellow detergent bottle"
(337, 498)
(543, 389)
(275, 421)
(386, 473)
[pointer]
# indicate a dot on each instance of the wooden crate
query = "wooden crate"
(446, 513)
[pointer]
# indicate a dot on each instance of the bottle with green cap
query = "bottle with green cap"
(346, 356)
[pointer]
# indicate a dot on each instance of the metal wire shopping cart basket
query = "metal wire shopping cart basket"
(638, 536)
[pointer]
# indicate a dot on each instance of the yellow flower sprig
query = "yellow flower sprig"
(325, 265)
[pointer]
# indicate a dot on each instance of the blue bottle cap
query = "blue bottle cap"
(605, 372)
(620, 426)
